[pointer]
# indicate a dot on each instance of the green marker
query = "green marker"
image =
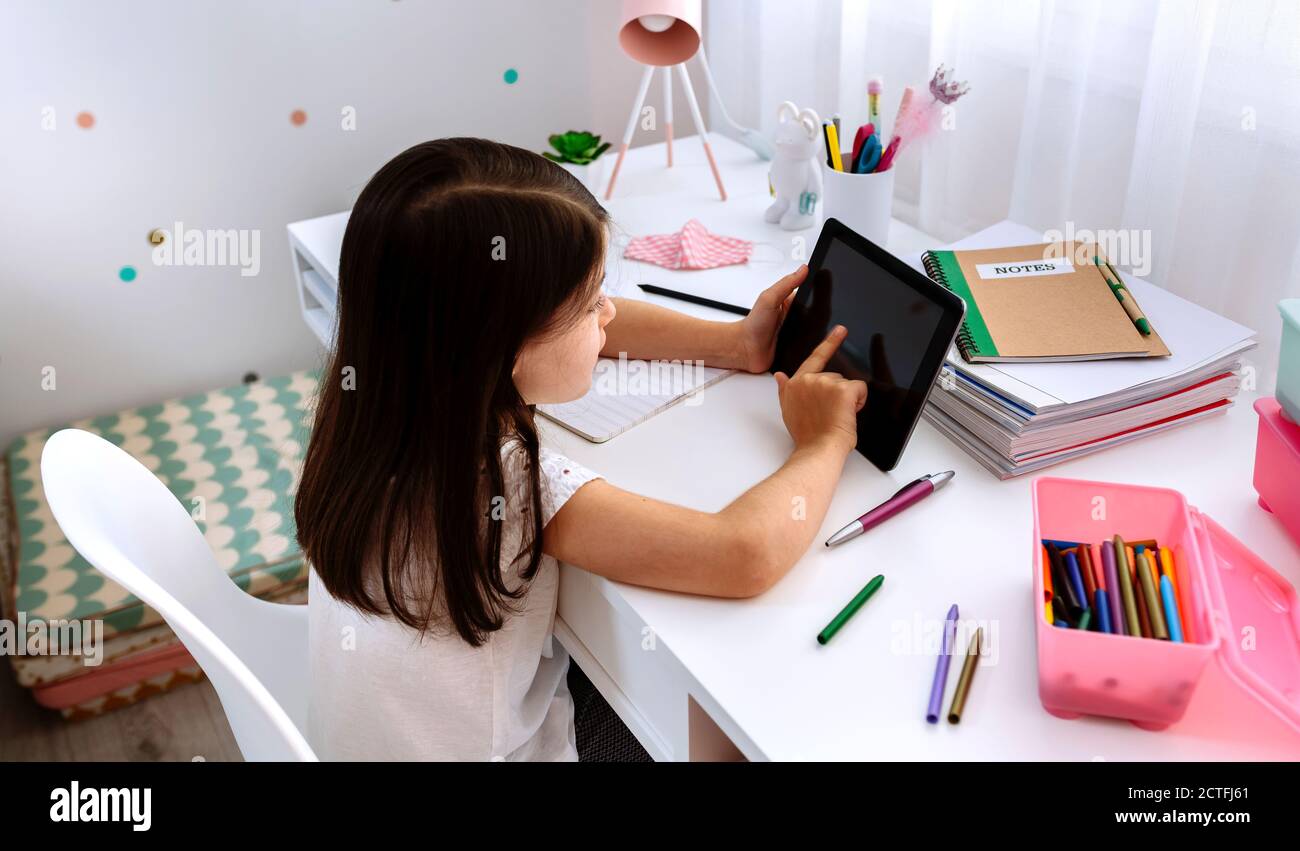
(1154, 609)
(1126, 301)
(1127, 597)
(850, 610)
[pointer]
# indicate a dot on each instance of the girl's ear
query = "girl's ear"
(514, 371)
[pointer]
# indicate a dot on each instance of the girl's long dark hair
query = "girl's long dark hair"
(457, 252)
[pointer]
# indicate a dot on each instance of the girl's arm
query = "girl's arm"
(643, 330)
(746, 547)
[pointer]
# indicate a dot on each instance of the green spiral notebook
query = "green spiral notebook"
(1024, 304)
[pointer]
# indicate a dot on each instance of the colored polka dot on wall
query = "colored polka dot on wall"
(85, 120)
(127, 274)
(298, 118)
(511, 76)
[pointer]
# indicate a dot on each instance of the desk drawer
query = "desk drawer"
(631, 655)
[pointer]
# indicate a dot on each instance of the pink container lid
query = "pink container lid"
(1270, 412)
(1256, 614)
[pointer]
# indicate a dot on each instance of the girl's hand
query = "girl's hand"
(821, 406)
(758, 330)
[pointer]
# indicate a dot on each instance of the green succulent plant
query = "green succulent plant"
(575, 147)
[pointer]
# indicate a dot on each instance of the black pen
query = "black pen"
(694, 299)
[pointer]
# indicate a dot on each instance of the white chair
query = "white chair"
(126, 523)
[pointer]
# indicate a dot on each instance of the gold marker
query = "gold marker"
(967, 674)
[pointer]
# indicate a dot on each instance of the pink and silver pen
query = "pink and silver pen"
(910, 494)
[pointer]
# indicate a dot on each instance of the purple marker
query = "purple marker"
(941, 671)
(1112, 588)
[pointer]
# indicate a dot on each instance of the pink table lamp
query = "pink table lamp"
(662, 34)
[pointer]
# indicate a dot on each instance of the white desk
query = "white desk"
(754, 667)
(703, 678)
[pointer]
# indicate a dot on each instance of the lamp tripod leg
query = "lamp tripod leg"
(631, 127)
(668, 111)
(699, 128)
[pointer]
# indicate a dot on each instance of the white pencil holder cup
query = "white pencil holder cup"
(864, 202)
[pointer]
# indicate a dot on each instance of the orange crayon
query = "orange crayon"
(1047, 583)
(1186, 614)
(1167, 569)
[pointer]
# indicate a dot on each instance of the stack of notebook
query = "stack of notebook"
(232, 458)
(1025, 388)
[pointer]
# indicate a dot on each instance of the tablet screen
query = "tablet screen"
(899, 323)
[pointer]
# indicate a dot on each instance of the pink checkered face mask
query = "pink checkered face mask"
(692, 247)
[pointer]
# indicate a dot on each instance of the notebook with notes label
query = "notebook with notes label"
(625, 393)
(1045, 302)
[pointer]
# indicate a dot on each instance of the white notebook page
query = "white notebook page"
(625, 393)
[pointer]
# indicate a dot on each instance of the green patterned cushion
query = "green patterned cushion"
(232, 458)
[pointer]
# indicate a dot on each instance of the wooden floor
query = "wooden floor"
(183, 725)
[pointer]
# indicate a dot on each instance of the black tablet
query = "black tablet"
(900, 326)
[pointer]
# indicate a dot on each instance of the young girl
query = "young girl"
(470, 291)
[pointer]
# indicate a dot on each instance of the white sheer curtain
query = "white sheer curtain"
(1180, 118)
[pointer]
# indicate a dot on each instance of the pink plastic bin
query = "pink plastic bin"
(1244, 613)
(1277, 465)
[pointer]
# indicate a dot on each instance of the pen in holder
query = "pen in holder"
(864, 202)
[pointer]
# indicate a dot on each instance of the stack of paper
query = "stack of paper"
(1016, 418)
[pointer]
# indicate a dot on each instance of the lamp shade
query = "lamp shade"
(660, 32)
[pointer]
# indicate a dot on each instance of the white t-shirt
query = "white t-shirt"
(380, 692)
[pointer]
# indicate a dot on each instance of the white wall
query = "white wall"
(192, 103)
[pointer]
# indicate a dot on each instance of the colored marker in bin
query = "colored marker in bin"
(1171, 610)
(1102, 607)
(1075, 575)
(1129, 588)
(850, 610)
(1151, 596)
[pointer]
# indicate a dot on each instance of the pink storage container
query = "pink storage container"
(1243, 613)
(1277, 465)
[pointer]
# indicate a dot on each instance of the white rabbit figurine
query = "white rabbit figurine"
(794, 174)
